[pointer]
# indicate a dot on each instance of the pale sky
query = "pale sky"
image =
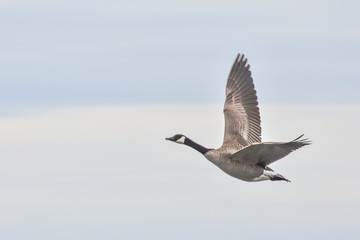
(90, 89)
(105, 52)
(108, 173)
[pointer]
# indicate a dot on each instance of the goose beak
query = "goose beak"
(170, 139)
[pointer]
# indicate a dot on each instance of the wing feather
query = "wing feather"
(266, 153)
(241, 111)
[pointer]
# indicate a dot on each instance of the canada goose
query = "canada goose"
(242, 154)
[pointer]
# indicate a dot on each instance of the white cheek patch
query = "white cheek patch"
(181, 140)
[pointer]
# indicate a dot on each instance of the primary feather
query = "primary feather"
(241, 111)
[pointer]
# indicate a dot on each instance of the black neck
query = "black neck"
(196, 146)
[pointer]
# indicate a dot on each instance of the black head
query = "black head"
(178, 138)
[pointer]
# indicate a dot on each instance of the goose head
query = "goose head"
(178, 138)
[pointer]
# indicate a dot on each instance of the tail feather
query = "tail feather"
(278, 177)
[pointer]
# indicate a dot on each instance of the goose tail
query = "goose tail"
(278, 177)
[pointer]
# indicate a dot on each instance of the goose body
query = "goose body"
(242, 154)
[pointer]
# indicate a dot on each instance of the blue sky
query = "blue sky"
(121, 52)
(90, 89)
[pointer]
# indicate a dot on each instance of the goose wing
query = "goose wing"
(241, 111)
(266, 153)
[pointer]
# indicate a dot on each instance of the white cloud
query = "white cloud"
(108, 170)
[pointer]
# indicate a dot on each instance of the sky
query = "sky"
(90, 89)
(106, 52)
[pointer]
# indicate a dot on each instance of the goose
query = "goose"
(242, 154)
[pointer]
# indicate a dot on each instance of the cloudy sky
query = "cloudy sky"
(90, 89)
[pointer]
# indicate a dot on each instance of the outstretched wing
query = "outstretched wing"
(241, 111)
(266, 153)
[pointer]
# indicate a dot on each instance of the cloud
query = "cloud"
(108, 170)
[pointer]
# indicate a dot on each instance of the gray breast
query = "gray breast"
(237, 169)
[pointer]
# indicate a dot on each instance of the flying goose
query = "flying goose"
(242, 154)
